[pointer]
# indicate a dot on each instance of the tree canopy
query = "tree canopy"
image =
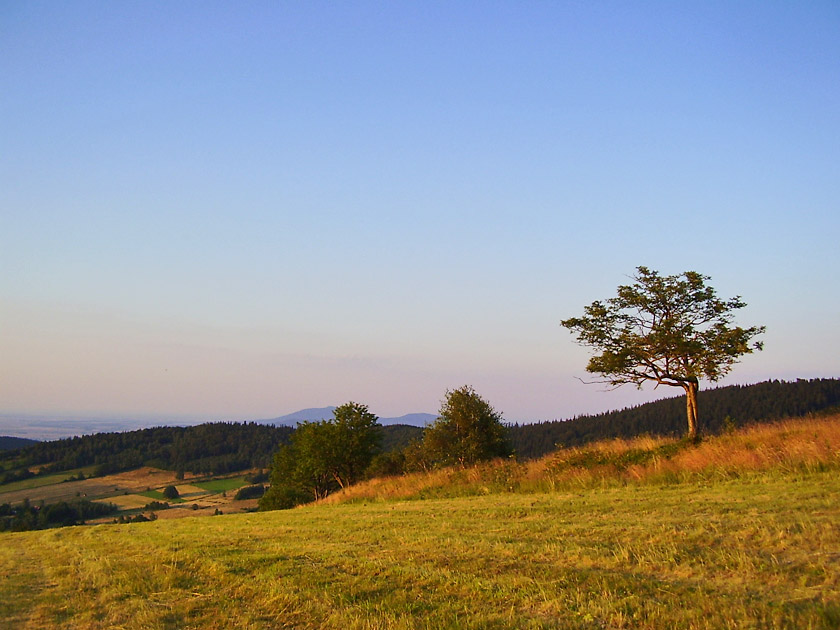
(468, 430)
(323, 456)
(669, 330)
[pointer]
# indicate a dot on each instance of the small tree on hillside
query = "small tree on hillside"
(323, 456)
(670, 330)
(357, 436)
(468, 430)
(171, 492)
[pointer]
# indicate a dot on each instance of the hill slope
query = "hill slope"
(8, 443)
(741, 404)
(739, 549)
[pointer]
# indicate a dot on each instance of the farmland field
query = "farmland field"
(761, 550)
(131, 491)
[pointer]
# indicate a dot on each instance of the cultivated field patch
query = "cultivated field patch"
(109, 486)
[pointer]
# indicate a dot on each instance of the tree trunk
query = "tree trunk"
(691, 388)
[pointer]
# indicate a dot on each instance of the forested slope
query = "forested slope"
(741, 404)
(207, 448)
(212, 448)
(8, 443)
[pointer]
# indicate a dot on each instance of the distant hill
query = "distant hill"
(411, 419)
(325, 413)
(304, 415)
(734, 405)
(8, 443)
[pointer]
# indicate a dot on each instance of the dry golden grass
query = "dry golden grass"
(753, 552)
(799, 443)
(804, 444)
(750, 540)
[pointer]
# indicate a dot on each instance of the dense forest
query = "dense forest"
(8, 443)
(735, 405)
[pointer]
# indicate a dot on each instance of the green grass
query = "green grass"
(40, 481)
(758, 551)
(221, 485)
(157, 495)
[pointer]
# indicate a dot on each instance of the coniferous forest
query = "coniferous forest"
(720, 408)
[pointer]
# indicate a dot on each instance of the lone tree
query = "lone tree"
(171, 492)
(670, 330)
(468, 430)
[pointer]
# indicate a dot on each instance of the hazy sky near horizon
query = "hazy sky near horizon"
(237, 210)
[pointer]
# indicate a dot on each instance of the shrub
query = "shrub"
(250, 492)
(171, 492)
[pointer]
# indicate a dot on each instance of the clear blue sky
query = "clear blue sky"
(236, 210)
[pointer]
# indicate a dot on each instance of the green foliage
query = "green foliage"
(171, 492)
(8, 443)
(396, 437)
(249, 492)
(468, 430)
(669, 330)
(386, 464)
(19, 475)
(62, 514)
(258, 477)
(323, 456)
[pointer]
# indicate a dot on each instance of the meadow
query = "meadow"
(754, 543)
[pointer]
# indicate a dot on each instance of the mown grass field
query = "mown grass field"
(747, 538)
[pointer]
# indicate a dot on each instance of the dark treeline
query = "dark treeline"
(26, 516)
(8, 443)
(213, 448)
(720, 408)
(398, 436)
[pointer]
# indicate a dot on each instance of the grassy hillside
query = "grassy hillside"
(749, 540)
(791, 446)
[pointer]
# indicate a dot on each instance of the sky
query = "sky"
(236, 210)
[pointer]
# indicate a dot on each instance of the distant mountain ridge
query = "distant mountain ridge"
(8, 443)
(314, 414)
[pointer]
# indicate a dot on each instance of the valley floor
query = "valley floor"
(758, 551)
